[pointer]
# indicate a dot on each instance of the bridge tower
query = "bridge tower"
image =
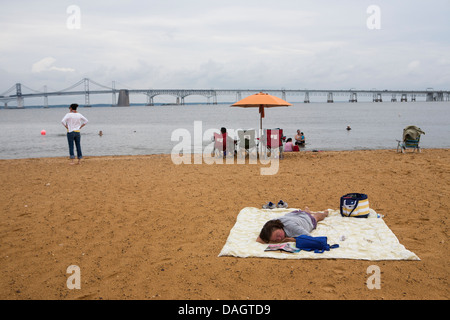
(20, 104)
(86, 93)
(45, 97)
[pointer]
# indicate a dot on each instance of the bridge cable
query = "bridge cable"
(100, 85)
(8, 91)
(35, 91)
(72, 86)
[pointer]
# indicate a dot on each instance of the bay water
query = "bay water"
(143, 130)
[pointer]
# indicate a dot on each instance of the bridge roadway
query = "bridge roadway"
(212, 94)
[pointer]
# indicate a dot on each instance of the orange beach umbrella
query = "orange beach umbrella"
(261, 100)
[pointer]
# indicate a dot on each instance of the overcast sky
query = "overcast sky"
(228, 44)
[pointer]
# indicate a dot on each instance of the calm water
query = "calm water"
(141, 130)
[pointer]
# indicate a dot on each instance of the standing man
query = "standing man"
(73, 122)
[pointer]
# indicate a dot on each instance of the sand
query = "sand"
(140, 227)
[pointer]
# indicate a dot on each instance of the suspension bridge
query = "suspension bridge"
(121, 97)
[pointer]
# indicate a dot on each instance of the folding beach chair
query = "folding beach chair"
(247, 141)
(223, 145)
(272, 141)
(411, 139)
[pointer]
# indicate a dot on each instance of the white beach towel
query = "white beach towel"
(358, 238)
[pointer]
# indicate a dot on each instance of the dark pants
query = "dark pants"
(71, 138)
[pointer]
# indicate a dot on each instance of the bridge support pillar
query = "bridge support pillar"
(20, 104)
(394, 98)
(306, 97)
(353, 97)
(404, 97)
(180, 101)
(150, 101)
(124, 98)
(330, 97)
(214, 98)
(377, 97)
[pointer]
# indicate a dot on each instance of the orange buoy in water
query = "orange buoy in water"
(43, 132)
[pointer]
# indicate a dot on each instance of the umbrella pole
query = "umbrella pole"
(260, 135)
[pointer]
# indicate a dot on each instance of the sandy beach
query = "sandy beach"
(141, 227)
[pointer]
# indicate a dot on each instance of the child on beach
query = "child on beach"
(291, 225)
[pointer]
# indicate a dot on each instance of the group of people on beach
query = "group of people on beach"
(288, 147)
(299, 142)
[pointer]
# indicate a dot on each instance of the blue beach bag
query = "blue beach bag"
(316, 244)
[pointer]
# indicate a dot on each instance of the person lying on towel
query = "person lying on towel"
(291, 225)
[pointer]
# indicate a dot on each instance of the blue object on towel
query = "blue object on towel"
(316, 244)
